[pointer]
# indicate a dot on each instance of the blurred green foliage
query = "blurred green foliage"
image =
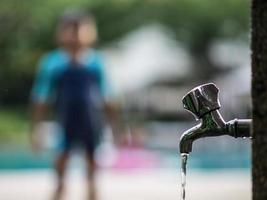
(14, 126)
(27, 29)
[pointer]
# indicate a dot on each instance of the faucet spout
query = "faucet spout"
(212, 125)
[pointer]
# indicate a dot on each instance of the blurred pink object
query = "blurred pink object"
(135, 158)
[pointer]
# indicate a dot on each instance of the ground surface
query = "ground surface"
(156, 184)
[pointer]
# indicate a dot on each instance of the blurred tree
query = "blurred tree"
(27, 30)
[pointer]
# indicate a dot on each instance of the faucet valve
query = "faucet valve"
(202, 100)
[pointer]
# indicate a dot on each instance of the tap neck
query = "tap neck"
(213, 117)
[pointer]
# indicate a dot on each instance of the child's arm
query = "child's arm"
(40, 95)
(38, 114)
(111, 107)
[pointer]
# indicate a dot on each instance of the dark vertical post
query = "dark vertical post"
(259, 99)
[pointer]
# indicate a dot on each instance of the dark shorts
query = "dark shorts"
(76, 140)
(80, 130)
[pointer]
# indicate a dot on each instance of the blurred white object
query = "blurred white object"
(49, 135)
(106, 153)
(235, 90)
(144, 56)
(230, 53)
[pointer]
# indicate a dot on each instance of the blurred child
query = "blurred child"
(71, 80)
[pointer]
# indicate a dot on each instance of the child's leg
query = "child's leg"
(91, 170)
(60, 168)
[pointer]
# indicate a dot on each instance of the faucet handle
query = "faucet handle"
(202, 100)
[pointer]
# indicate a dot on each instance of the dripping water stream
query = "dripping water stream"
(184, 157)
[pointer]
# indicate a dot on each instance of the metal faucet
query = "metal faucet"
(204, 104)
